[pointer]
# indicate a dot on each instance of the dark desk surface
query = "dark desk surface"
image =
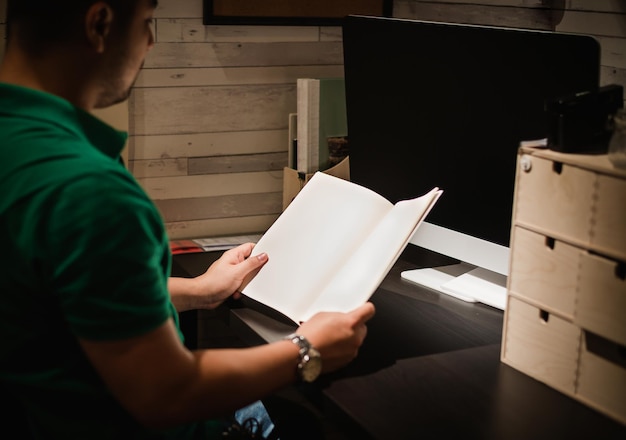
(430, 367)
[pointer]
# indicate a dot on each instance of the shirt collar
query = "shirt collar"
(35, 104)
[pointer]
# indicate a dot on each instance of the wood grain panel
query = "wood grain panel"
(217, 227)
(207, 144)
(159, 167)
(162, 188)
(193, 31)
(611, 75)
(613, 51)
(186, 77)
(597, 5)
(208, 109)
(204, 208)
(179, 9)
(530, 18)
(238, 164)
(331, 33)
(165, 55)
(593, 23)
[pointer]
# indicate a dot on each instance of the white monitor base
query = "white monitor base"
(463, 281)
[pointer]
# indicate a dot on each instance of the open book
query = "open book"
(332, 246)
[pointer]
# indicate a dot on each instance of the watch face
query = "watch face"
(311, 366)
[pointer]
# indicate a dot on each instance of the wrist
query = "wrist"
(184, 293)
(309, 364)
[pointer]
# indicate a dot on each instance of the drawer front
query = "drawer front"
(544, 347)
(555, 198)
(608, 232)
(602, 377)
(544, 271)
(601, 297)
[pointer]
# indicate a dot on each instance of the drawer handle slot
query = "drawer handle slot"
(557, 167)
(550, 242)
(620, 270)
(544, 316)
(609, 350)
(620, 266)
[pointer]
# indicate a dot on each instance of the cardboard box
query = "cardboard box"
(293, 181)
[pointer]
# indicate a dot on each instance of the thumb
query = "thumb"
(251, 267)
(364, 313)
(257, 260)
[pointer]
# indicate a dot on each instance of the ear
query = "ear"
(98, 22)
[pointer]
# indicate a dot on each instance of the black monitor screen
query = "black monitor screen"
(435, 104)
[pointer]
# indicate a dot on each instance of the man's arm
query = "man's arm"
(162, 384)
(221, 280)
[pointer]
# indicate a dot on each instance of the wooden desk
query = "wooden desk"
(430, 367)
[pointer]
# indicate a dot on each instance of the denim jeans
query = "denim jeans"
(257, 417)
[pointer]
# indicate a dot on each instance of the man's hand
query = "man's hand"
(224, 278)
(337, 336)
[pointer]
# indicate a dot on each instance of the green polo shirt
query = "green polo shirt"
(84, 255)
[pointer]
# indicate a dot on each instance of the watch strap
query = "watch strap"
(309, 366)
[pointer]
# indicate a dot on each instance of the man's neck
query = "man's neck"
(57, 74)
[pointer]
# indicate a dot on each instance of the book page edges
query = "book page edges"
(358, 279)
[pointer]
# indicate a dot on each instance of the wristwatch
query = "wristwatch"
(310, 365)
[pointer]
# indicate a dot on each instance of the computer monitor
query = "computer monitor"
(441, 104)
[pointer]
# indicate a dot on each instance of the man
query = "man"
(90, 341)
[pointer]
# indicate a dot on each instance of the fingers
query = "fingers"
(242, 251)
(363, 313)
(257, 261)
(251, 267)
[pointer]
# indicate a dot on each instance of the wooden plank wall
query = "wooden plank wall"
(209, 117)
(208, 114)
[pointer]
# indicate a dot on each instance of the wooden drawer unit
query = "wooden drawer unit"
(565, 320)
(545, 271)
(554, 198)
(601, 297)
(582, 286)
(577, 200)
(542, 345)
(602, 376)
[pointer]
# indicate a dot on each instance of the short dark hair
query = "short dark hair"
(41, 23)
